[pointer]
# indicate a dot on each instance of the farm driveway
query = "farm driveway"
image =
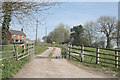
(43, 67)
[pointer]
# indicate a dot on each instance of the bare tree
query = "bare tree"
(107, 25)
(22, 12)
(89, 31)
(25, 10)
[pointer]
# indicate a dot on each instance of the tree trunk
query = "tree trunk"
(108, 42)
(7, 11)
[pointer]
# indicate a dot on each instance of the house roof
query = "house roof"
(15, 32)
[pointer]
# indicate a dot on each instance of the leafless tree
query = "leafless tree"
(26, 10)
(107, 25)
(89, 31)
(23, 12)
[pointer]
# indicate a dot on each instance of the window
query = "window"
(21, 41)
(18, 36)
(14, 36)
(16, 41)
(22, 37)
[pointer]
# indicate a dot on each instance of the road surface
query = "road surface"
(43, 67)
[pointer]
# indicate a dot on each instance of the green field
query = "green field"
(90, 61)
(11, 67)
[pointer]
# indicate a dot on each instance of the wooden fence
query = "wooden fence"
(98, 55)
(18, 52)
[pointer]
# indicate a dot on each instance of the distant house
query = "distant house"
(15, 36)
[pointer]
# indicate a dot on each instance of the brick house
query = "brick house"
(15, 36)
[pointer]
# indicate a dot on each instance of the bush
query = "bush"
(63, 52)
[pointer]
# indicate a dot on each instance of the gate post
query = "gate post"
(32, 49)
(16, 51)
(97, 55)
(28, 52)
(23, 51)
(116, 59)
(69, 50)
(82, 52)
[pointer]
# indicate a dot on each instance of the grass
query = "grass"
(51, 53)
(40, 49)
(92, 60)
(63, 51)
(6, 49)
(11, 67)
(95, 67)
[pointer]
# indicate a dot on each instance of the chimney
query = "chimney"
(22, 29)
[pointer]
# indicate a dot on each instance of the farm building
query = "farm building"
(15, 36)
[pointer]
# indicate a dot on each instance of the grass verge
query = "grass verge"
(96, 66)
(92, 69)
(11, 67)
(40, 49)
(51, 53)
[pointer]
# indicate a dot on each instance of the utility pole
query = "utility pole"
(119, 44)
(36, 32)
(46, 34)
(119, 32)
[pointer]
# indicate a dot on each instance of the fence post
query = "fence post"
(33, 48)
(69, 46)
(23, 46)
(28, 49)
(82, 51)
(97, 55)
(66, 48)
(116, 59)
(16, 51)
(82, 48)
(67, 51)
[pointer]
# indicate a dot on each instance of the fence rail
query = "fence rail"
(27, 50)
(113, 58)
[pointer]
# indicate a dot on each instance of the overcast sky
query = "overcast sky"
(73, 13)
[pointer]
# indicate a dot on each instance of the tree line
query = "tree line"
(61, 34)
(100, 33)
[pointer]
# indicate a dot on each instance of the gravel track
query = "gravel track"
(43, 67)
